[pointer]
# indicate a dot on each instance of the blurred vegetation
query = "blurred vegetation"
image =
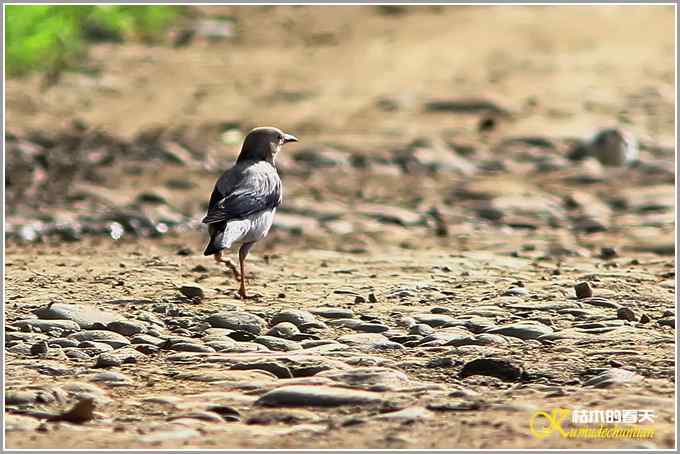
(53, 38)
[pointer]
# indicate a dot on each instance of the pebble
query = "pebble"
(613, 147)
(369, 378)
(667, 322)
(317, 396)
(455, 405)
(238, 321)
(516, 291)
(435, 320)
(600, 302)
(221, 345)
(583, 290)
(119, 357)
(479, 339)
(82, 390)
(421, 329)
(111, 377)
(127, 327)
(284, 330)
(63, 342)
(369, 341)
(273, 367)
(275, 343)
(626, 313)
(297, 317)
(332, 312)
(115, 340)
(358, 325)
(478, 324)
(170, 435)
(316, 343)
(191, 347)
(39, 349)
(85, 316)
(493, 367)
(407, 414)
(147, 339)
(522, 330)
(76, 353)
(97, 347)
(613, 376)
(192, 291)
(47, 325)
(24, 337)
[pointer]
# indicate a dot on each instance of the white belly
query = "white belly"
(248, 230)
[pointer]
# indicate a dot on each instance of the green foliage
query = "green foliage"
(53, 38)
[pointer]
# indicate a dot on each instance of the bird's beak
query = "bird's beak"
(289, 138)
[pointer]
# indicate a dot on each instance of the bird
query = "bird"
(244, 200)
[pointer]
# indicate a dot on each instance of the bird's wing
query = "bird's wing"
(241, 192)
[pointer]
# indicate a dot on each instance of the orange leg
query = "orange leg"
(242, 254)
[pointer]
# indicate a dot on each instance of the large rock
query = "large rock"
(87, 317)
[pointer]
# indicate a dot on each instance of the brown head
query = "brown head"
(262, 144)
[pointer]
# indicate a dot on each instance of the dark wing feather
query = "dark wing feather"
(243, 191)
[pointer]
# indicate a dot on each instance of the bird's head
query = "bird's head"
(262, 144)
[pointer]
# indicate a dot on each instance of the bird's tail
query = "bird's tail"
(224, 234)
(212, 249)
(216, 234)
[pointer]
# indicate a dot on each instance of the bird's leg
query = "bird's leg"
(229, 263)
(242, 254)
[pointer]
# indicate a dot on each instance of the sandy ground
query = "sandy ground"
(357, 234)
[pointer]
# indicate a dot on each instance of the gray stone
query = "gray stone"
(85, 316)
(30, 338)
(297, 317)
(99, 347)
(522, 330)
(191, 347)
(434, 320)
(115, 340)
(370, 341)
(284, 330)
(275, 343)
(626, 313)
(192, 291)
(47, 325)
(63, 342)
(317, 396)
(147, 339)
(332, 312)
(407, 414)
(369, 378)
(421, 329)
(610, 377)
(111, 377)
(127, 327)
(119, 357)
(238, 321)
(316, 343)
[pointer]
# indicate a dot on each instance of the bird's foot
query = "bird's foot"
(249, 296)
